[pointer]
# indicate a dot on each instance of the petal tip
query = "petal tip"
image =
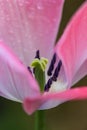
(31, 105)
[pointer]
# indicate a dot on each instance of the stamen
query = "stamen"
(37, 54)
(38, 57)
(57, 70)
(29, 69)
(51, 67)
(48, 85)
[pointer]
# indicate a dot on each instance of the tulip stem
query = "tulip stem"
(39, 120)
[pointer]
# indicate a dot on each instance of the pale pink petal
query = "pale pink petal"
(72, 47)
(29, 25)
(48, 101)
(16, 83)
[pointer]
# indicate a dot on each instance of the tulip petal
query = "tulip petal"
(28, 25)
(72, 47)
(48, 100)
(16, 83)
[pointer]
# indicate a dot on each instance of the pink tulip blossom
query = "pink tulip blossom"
(28, 27)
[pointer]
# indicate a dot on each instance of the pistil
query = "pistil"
(39, 66)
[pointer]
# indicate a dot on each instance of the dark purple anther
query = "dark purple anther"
(37, 54)
(51, 67)
(48, 85)
(56, 72)
(29, 69)
(38, 57)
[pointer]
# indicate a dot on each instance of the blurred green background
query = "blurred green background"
(67, 116)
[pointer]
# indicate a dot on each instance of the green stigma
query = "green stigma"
(39, 66)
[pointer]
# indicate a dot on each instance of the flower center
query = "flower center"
(39, 65)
